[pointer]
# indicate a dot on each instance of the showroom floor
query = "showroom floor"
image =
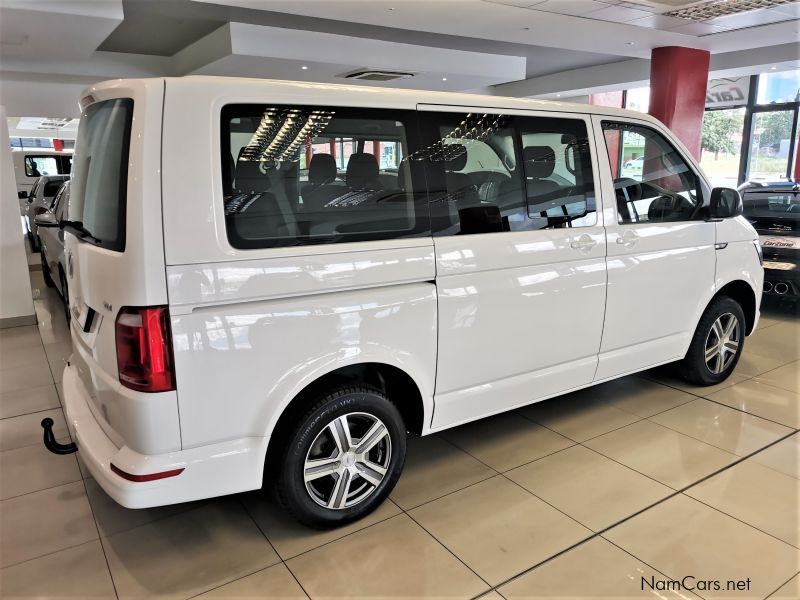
(583, 495)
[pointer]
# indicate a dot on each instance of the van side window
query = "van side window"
(652, 181)
(489, 173)
(297, 175)
(38, 166)
(558, 173)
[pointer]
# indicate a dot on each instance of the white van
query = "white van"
(30, 164)
(273, 282)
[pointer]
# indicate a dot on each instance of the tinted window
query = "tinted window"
(311, 175)
(763, 208)
(100, 175)
(490, 173)
(38, 166)
(51, 187)
(652, 181)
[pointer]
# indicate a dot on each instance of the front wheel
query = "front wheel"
(342, 458)
(717, 343)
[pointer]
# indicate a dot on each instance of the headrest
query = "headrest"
(669, 208)
(248, 176)
(540, 161)
(459, 159)
(322, 169)
(362, 171)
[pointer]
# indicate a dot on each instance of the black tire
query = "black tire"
(34, 242)
(694, 367)
(355, 404)
(65, 297)
(48, 279)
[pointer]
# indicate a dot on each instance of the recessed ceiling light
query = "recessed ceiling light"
(444, 78)
(526, 29)
(305, 68)
(391, 9)
(630, 43)
(558, 95)
(773, 68)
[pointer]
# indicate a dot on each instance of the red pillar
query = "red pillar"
(612, 138)
(678, 82)
(58, 145)
(797, 159)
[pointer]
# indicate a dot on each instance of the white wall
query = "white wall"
(16, 302)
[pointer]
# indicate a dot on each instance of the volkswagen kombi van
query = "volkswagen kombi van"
(275, 282)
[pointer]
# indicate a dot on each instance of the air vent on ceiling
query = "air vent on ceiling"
(374, 75)
(712, 9)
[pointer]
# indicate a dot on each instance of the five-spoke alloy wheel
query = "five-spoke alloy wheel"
(342, 457)
(717, 343)
(722, 343)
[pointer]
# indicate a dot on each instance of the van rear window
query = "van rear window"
(100, 172)
(297, 175)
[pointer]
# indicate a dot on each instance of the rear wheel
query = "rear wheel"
(342, 458)
(48, 279)
(717, 343)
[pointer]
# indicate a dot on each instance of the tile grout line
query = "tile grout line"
(772, 593)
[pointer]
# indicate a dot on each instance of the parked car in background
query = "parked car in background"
(51, 236)
(31, 164)
(38, 201)
(774, 210)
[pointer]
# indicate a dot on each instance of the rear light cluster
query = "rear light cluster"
(145, 478)
(39, 210)
(144, 349)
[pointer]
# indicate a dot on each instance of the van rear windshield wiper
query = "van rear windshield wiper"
(77, 228)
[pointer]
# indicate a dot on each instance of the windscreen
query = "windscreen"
(766, 209)
(100, 172)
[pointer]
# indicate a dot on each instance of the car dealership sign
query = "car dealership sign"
(727, 92)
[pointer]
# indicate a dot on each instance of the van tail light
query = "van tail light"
(144, 478)
(39, 210)
(144, 349)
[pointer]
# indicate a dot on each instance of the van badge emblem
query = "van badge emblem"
(107, 306)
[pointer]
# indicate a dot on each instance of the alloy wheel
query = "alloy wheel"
(347, 461)
(722, 343)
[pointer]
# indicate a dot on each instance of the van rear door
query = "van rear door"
(115, 261)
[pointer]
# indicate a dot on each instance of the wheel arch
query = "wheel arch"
(743, 293)
(393, 381)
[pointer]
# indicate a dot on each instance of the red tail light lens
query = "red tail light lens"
(144, 349)
(39, 210)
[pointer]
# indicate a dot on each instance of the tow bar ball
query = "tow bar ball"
(50, 439)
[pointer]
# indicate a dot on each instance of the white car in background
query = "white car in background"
(38, 201)
(51, 236)
(31, 164)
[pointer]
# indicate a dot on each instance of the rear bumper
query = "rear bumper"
(208, 471)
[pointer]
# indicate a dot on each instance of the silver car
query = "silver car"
(52, 244)
(38, 201)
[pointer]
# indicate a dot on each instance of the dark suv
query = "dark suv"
(774, 210)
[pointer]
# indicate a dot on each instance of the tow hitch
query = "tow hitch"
(50, 440)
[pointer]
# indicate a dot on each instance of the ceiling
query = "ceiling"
(508, 45)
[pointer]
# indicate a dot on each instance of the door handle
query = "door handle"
(584, 242)
(627, 239)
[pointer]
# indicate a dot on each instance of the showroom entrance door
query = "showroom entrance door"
(520, 257)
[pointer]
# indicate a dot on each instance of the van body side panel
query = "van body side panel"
(105, 280)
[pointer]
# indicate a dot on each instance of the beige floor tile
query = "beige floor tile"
(24, 377)
(506, 441)
(20, 337)
(32, 468)
(27, 356)
(26, 430)
(721, 426)
(589, 487)
(43, 522)
(498, 529)
(434, 468)
(684, 537)
(666, 375)
(780, 342)
(79, 572)
(641, 396)
(491, 596)
(595, 569)
(57, 355)
(760, 399)
(113, 518)
(757, 495)
(752, 364)
(188, 553)
(783, 457)
(28, 401)
(788, 591)
(396, 558)
(275, 582)
(290, 538)
(786, 377)
(665, 455)
(578, 416)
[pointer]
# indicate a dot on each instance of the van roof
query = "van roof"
(373, 96)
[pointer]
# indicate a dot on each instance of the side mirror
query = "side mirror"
(22, 195)
(46, 219)
(725, 203)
